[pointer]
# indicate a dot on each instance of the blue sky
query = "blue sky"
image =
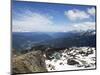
(44, 17)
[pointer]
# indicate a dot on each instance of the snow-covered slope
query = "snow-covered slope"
(72, 59)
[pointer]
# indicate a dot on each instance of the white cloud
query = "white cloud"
(84, 26)
(34, 22)
(76, 14)
(91, 11)
(30, 21)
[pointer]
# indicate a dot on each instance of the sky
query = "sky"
(51, 17)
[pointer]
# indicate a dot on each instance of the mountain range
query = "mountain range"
(26, 40)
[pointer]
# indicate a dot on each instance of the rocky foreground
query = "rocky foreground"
(28, 63)
(73, 58)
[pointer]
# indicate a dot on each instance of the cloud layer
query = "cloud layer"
(35, 22)
(76, 14)
(30, 21)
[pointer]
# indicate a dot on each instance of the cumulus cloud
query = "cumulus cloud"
(91, 11)
(76, 14)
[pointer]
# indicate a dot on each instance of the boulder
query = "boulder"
(72, 62)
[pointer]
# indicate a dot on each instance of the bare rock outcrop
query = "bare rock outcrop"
(29, 63)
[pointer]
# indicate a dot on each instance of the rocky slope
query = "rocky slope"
(74, 58)
(54, 59)
(30, 62)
